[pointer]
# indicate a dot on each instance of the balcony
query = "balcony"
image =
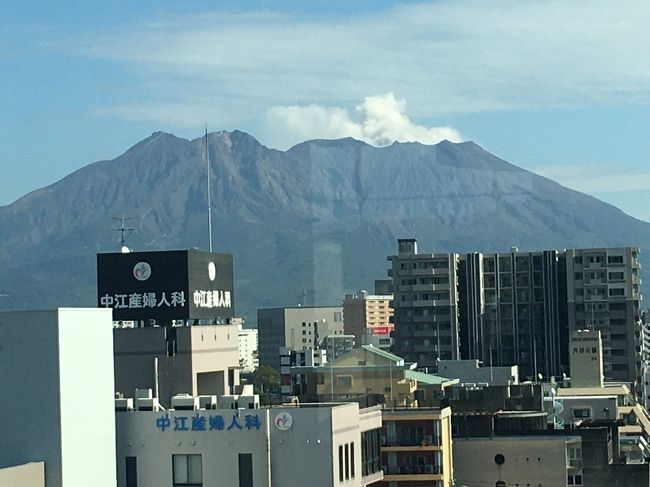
(407, 443)
(397, 473)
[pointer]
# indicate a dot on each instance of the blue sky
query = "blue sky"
(558, 87)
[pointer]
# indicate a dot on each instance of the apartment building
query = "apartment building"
(416, 447)
(519, 308)
(297, 328)
(603, 294)
(425, 303)
(513, 311)
(368, 318)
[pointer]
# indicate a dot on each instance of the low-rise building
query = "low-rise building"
(417, 447)
(473, 371)
(337, 444)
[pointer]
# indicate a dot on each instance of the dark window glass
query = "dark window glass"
(245, 470)
(131, 472)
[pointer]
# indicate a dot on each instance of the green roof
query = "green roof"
(382, 353)
(427, 378)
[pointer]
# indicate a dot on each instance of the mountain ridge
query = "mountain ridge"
(320, 217)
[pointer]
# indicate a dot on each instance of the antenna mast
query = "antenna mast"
(207, 164)
(123, 229)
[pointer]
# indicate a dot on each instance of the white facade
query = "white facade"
(58, 397)
(281, 447)
(247, 346)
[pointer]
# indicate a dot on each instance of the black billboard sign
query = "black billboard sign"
(166, 285)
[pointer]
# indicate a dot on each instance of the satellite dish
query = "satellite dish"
(125, 249)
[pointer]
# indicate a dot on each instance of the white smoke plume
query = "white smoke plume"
(380, 120)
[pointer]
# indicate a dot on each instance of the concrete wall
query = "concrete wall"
(86, 395)
(539, 460)
(29, 475)
(198, 349)
(304, 454)
(139, 436)
(213, 348)
(58, 398)
(468, 371)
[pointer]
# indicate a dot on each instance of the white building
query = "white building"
(57, 395)
(247, 346)
(320, 444)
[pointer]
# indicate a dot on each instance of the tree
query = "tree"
(265, 380)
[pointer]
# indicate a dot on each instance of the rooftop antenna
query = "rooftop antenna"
(124, 231)
(207, 165)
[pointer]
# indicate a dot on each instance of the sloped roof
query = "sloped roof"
(382, 353)
(428, 378)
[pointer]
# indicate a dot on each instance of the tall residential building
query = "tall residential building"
(298, 328)
(425, 303)
(247, 348)
(512, 310)
(518, 308)
(603, 294)
(368, 315)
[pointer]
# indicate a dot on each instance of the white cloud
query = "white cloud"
(460, 56)
(381, 120)
(597, 179)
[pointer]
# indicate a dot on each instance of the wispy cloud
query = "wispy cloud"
(597, 178)
(444, 57)
(380, 120)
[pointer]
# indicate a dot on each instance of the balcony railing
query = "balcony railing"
(430, 469)
(426, 440)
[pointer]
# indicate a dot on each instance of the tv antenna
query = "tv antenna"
(124, 230)
(207, 166)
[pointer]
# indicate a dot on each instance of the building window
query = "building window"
(340, 463)
(582, 413)
(245, 470)
(352, 459)
(187, 470)
(131, 472)
(344, 380)
(347, 461)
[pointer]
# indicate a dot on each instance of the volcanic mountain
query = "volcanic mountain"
(305, 225)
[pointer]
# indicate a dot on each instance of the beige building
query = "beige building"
(28, 475)
(367, 316)
(198, 360)
(417, 447)
(367, 370)
(525, 460)
(298, 328)
(586, 358)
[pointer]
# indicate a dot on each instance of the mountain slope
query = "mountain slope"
(307, 224)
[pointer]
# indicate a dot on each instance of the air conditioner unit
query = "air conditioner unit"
(147, 404)
(207, 402)
(184, 402)
(123, 404)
